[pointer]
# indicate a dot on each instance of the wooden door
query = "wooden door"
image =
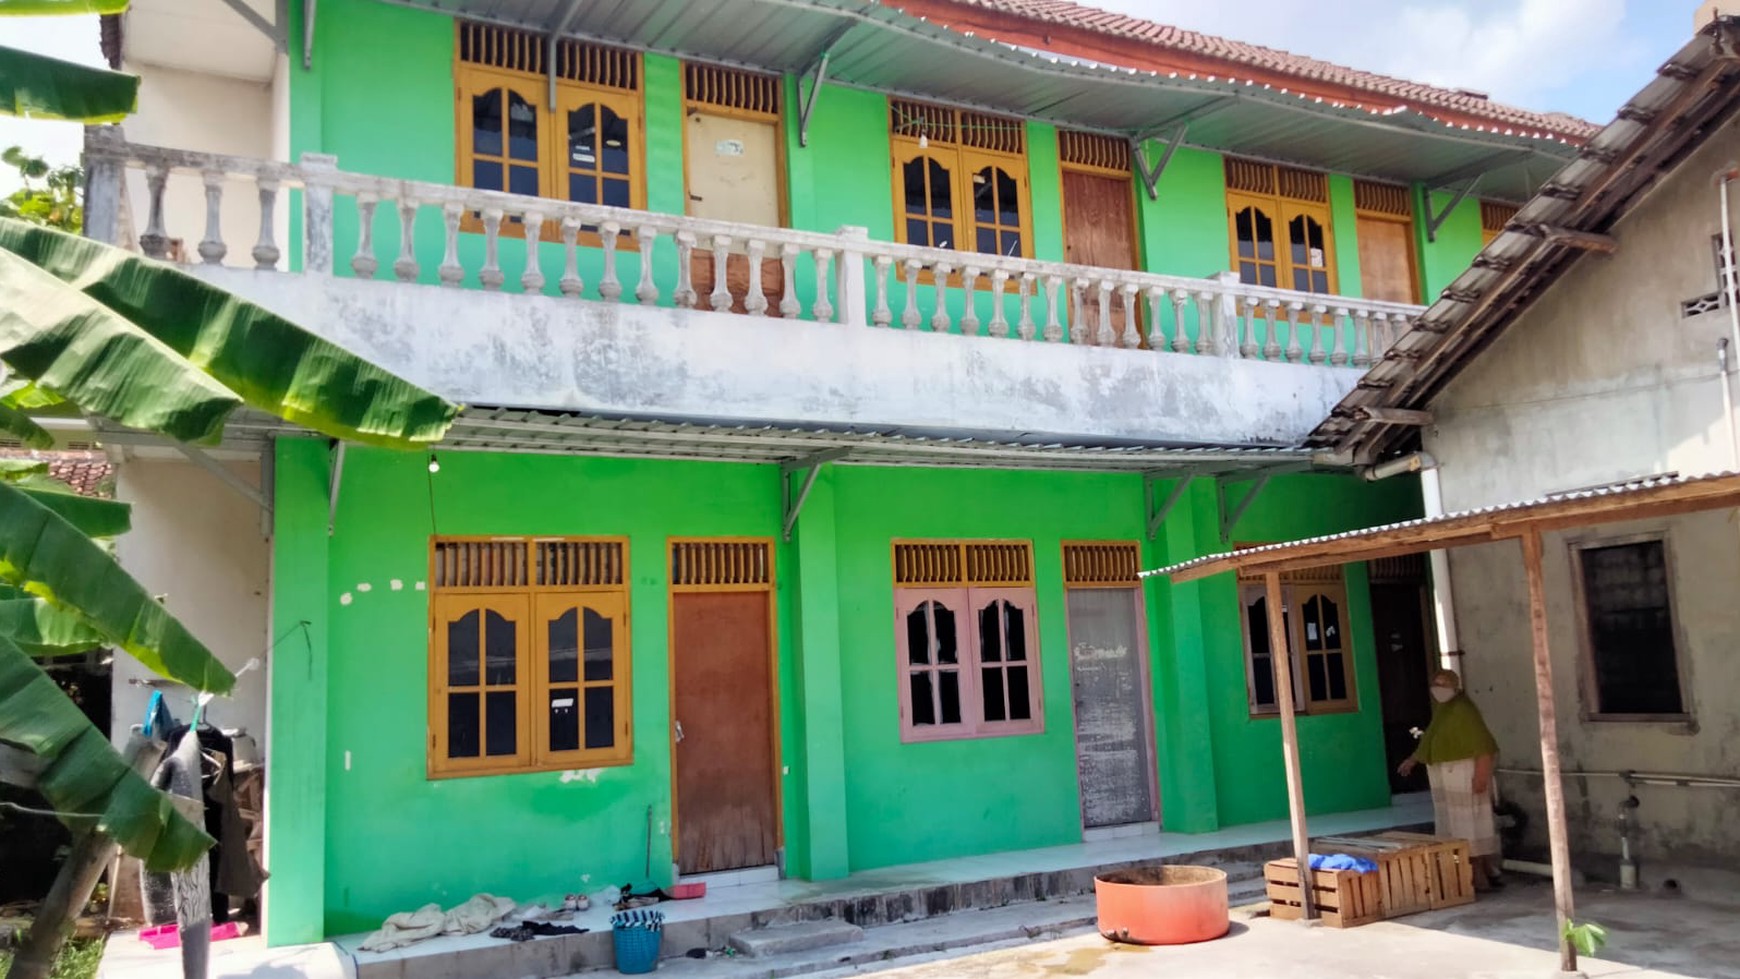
(722, 730)
(1386, 260)
(1113, 737)
(1404, 658)
(733, 171)
(1099, 230)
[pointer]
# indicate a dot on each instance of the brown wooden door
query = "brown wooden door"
(723, 730)
(1099, 231)
(1386, 260)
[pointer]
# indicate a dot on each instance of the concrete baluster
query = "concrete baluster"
(211, 247)
(1024, 289)
(405, 267)
(450, 271)
(532, 276)
(789, 307)
(1132, 318)
(823, 309)
(849, 274)
(490, 276)
(969, 301)
(1318, 354)
(646, 291)
(1053, 319)
(570, 283)
(1077, 315)
(883, 316)
(316, 233)
(1360, 342)
(363, 264)
(1103, 336)
(720, 298)
(909, 317)
(940, 321)
(999, 287)
(755, 295)
(155, 241)
(1180, 329)
(1341, 337)
(685, 296)
(609, 286)
(1295, 325)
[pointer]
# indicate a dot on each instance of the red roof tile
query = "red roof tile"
(88, 472)
(1446, 104)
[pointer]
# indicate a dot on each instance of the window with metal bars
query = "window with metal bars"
(586, 147)
(1279, 225)
(960, 179)
(967, 640)
(528, 654)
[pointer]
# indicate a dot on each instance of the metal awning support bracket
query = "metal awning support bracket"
(1435, 221)
(273, 29)
(817, 72)
(308, 10)
(1230, 518)
(225, 476)
(332, 490)
(1157, 514)
(557, 27)
(811, 465)
(1151, 175)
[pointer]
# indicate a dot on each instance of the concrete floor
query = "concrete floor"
(1507, 934)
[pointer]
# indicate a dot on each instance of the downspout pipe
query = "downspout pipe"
(1443, 596)
(1731, 295)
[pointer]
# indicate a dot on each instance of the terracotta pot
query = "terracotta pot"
(1162, 905)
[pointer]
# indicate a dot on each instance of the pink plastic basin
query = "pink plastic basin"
(1162, 905)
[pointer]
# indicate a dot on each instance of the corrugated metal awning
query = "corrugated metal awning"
(878, 47)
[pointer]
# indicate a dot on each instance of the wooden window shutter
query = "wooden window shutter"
(927, 563)
(1382, 198)
(1250, 176)
(510, 49)
(1101, 563)
(731, 88)
(468, 563)
(715, 563)
(1303, 185)
(1093, 151)
(569, 563)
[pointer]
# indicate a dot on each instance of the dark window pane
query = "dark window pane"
(1257, 620)
(522, 128)
(917, 232)
(1011, 244)
(1302, 279)
(918, 635)
(600, 645)
(583, 138)
(564, 719)
(985, 240)
(1317, 678)
(486, 123)
(1008, 200)
(1313, 613)
(1337, 667)
(1015, 631)
(462, 651)
(500, 723)
(583, 188)
(500, 648)
(942, 196)
(984, 196)
(600, 717)
(923, 705)
(947, 644)
(486, 175)
(523, 180)
(1265, 235)
(1631, 629)
(912, 182)
(942, 235)
(1263, 680)
(1268, 276)
(1020, 699)
(1331, 623)
(462, 725)
(1320, 282)
(616, 193)
(1248, 273)
(992, 678)
(564, 635)
(615, 155)
(948, 686)
(1244, 228)
(990, 634)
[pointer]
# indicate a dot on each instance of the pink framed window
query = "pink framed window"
(969, 663)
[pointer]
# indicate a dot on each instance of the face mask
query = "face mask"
(1442, 694)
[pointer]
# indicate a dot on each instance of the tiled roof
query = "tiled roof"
(1424, 98)
(87, 471)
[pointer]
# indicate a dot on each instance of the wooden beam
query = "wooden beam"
(1587, 241)
(1395, 416)
(1289, 741)
(1557, 842)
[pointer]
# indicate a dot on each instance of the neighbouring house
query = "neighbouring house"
(1592, 344)
(832, 373)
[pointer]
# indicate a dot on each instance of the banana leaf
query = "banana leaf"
(35, 8)
(95, 516)
(84, 775)
(42, 629)
(17, 393)
(20, 426)
(35, 86)
(13, 469)
(92, 351)
(47, 556)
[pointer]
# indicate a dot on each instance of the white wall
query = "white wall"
(197, 543)
(212, 114)
(1598, 381)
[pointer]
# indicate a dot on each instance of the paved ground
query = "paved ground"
(1506, 935)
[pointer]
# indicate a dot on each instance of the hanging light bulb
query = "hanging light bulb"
(434, 463)
(923, 141)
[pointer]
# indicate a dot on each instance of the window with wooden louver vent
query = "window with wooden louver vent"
(1278, 219)
(967, 639)
(960, 179)
(1319, 647)
(528, 654)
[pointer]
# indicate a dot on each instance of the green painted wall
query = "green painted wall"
(1184, 230)
(1344, 225)
(1458, 242)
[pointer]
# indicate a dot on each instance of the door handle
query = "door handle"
(678, 731)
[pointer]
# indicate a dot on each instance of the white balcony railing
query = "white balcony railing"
(618, 255)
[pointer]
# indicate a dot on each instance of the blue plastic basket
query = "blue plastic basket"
(637, 934)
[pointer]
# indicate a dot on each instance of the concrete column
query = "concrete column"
(295, 896)
(818, 650)
(1188, 801)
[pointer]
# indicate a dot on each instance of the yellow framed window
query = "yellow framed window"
(1279, 226)
(588, 147)
(1494, 215)
(1319, 646)
(528, 655)
(960, 179)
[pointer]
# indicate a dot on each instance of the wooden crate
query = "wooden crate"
(1416, 872)
(1344, 898)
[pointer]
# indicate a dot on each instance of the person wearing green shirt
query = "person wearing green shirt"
(1459, 753)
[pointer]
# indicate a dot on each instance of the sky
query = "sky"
(1585, 57)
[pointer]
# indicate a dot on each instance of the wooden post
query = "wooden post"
(1282, 659)
(1559, 846)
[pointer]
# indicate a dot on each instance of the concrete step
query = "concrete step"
(804, 936)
